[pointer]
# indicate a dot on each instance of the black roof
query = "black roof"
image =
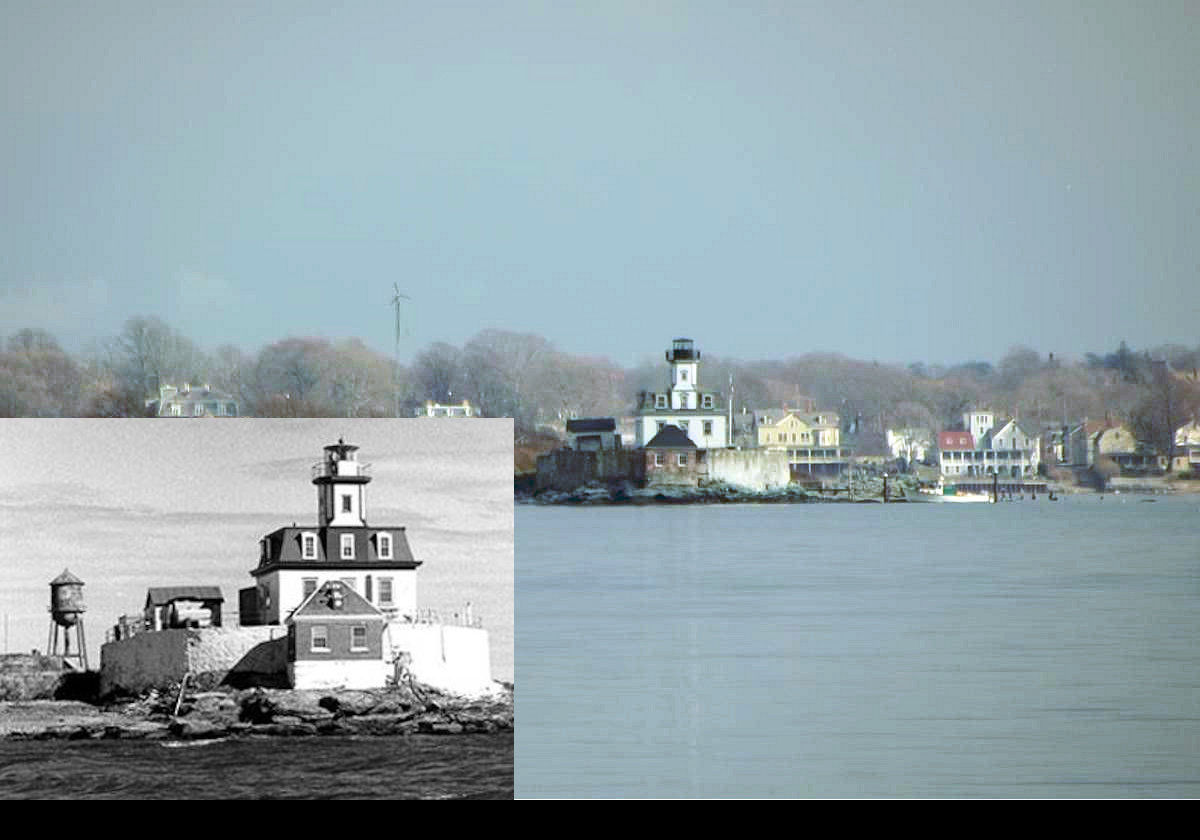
(592, 424)
(670, 437)
(159, 595)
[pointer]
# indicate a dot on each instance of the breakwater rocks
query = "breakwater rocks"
(623, 493)
(262, 712)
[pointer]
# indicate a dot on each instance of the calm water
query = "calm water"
(1032, 649)
(443, 767)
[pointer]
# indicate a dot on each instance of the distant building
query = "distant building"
(1008, 450)
(432, 409)
(1187, 448)
(1121, 446)
(912, 444)
(202, 401)
(591, 434)
(811, 439)
(700, 413)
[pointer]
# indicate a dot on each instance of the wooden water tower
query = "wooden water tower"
(66, 611)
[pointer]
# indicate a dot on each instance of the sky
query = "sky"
(923, 181)
(130, 504)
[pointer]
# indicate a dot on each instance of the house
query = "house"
(295, 561)
(182, 606)
(672, 459)
(592, 434)
(1119, 445)
(912, 444)
(1187, 448)
(698, 412)
(1080, 444)
(812, 439)
(335, 640)
(433, 409)
(1007, 450)
(202, 401)
(955, 453)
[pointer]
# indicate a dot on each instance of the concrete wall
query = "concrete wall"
(566, 469)
(360, 675)
(153, 659)
(753, 469)
(454, 659)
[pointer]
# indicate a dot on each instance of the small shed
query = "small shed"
(183, 606)
(335, 640)
(590, 434)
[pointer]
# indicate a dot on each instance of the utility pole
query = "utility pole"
(396, 298)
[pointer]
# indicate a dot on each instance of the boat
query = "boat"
(945, 493)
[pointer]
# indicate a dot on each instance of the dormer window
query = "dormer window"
(308, 546)
(660, 400)
(385, 546)
(708, 403)
(347, 546)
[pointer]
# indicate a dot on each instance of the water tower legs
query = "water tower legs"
(79, 654)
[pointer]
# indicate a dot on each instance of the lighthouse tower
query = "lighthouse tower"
(341, 487)
(684, 359)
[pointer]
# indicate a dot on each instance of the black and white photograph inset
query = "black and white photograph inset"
(301, 608)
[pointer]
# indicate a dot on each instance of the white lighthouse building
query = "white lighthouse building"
(698, 412)
(374, 561)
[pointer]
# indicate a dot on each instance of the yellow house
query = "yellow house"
(784, 431)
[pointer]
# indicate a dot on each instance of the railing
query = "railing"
(325, 469)
(432, 616)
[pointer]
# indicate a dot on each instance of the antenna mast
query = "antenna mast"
(396, 298)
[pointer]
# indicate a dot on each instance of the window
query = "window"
(385, 546)
(683, 375)
(708, 403)
(320, 638)
(707, 427)
(660, 460)
(661, 425)
(309, 546)
(310, 586)
(347, 504)
(660, 400)
(385, 591)
(347, 546)
(358, 637)
(683, 459)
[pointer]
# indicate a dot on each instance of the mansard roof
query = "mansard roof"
(285, 550)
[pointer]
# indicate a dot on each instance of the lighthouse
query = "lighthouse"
(372, 560)
(698, 412)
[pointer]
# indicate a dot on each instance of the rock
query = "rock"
(350, 702)
(267, 705)
(285, 729)
(195, 729)
(402, 724)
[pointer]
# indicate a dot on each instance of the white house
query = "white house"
(699, 413)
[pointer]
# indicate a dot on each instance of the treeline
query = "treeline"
(525, 377)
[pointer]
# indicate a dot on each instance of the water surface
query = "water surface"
(1045, 649)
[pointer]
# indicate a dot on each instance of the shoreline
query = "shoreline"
(219, 714)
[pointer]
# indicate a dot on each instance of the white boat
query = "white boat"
(945, 494)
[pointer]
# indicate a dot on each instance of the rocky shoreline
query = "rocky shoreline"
(623, 493)
(207, 715)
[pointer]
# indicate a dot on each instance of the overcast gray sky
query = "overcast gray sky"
(130, 504)
(909, 181)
